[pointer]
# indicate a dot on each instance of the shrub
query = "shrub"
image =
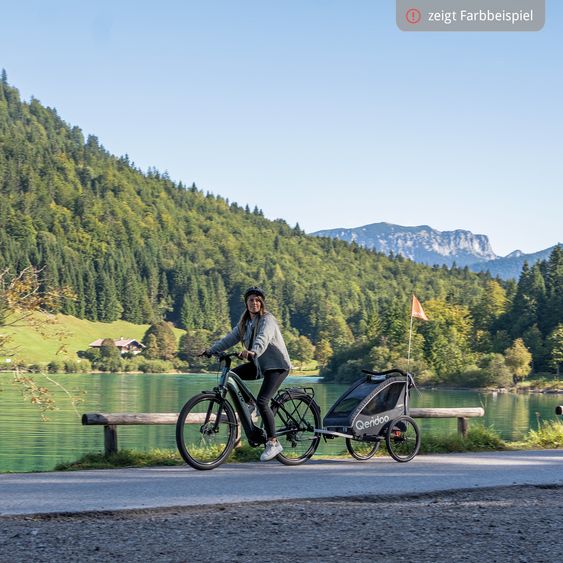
(155, 366)
(112, 365)
(71, 366)
(55, 366)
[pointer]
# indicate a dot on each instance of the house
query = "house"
(125, 345)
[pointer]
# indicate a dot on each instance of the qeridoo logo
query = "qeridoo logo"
(375, 421)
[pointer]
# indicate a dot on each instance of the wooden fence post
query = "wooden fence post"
(110, 439)
(462, 425)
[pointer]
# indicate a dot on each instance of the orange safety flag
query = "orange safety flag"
(417, 310)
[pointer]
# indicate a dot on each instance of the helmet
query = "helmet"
(254, 291)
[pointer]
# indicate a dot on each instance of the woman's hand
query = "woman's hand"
(247, 355)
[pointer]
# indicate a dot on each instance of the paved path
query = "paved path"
(27, 493)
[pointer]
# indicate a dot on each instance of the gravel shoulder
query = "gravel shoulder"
(520, 523)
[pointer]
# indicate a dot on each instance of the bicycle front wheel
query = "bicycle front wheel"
(206, 431)
(403, 438)
(296, 418)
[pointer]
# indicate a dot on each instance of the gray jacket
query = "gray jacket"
(268, 346)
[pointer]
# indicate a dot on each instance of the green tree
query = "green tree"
(151, 351)
(108, 349)
(518, 358)
(302, 350)
(191, 344)
(555, 345)
(323, 352)
(165, 341)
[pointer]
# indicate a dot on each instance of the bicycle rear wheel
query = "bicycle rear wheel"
(361, 451)
(403, 438)
(206, 431)
(296, 417)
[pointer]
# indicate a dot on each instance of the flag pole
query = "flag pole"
(410, 340)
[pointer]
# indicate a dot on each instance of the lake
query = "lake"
(27, 443)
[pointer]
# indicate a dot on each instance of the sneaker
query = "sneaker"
(271, 451)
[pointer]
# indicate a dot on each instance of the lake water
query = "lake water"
(27, 443)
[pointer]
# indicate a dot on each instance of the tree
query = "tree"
(302, 349)
(491, 306)
(555, 345)
(108, 349)
(323, 352)
(151, 351)
(518, 358)
(191, 345)
(165, 340)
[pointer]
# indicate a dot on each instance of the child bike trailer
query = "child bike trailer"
(372, 409)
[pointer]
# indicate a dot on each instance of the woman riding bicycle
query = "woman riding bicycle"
(264, 347)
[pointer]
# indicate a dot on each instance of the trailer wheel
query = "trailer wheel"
(402, 438)
(362, 451)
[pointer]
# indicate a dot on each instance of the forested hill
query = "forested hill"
(135, 245)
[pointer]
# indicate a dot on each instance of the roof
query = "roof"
(120, 342)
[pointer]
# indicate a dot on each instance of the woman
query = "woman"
(264, 347)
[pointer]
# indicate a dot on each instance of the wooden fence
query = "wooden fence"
(110, 421)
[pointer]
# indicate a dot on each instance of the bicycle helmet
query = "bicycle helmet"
(254, 290)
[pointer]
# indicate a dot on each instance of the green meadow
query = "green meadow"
(48, 337)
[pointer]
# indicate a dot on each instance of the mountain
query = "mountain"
(421, 244)
(511, 265)
(429, 246)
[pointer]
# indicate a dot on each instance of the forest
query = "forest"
(118, 242)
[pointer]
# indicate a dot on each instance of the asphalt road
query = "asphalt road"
(119, 489)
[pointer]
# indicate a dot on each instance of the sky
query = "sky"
(319, 112)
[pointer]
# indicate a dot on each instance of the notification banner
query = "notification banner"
(470, 15)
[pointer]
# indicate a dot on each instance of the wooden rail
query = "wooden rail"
(110, 421)
(462, 414)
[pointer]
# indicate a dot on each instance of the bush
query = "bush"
(492, 371)
(71, 366)
(55, 366)
(92, 354)
(155, 366)
(132, 364)
(112, 365)
(85, 366)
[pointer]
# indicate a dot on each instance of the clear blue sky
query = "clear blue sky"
(318, 111)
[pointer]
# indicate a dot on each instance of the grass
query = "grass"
(123, 458)
(540, 383)
(479, 438)
(61, 336)
(548, 436)
(153, 458)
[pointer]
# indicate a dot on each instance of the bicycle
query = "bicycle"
(209, 424)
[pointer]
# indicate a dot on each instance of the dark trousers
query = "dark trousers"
(273, 378)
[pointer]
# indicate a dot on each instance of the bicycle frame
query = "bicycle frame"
(230, 383)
